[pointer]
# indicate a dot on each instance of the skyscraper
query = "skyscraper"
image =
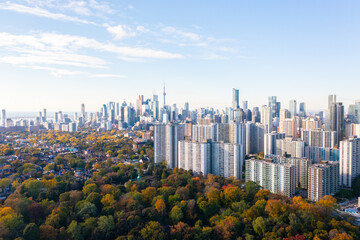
(291, 147)
(331, 100)
(244, 105)
(3, 117)
(302, 109)
(224, 159)
(164, 93)
(349, 161)
(266, 117)
(270, 142)
(337, 121)
(275, 106)
(235, 98)
(166, 137)
(83, 110)
(44, 115)
(292, 107)
(140, 102)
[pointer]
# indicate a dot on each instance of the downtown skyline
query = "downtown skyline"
(59, 54)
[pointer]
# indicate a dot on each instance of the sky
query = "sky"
(57, 54)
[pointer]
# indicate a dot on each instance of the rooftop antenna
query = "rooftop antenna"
(164, 94)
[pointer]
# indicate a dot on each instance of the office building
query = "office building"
(274, 106)
(292, 108)
(337, 121)
(83, 110)
(244, 105)
(3, 117)
(235, 99)
(266, 117)
(256, 115)
(302, 109)
(331, 100)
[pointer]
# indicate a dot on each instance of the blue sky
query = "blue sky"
(57, 54)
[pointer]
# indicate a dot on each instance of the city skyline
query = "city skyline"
(59, 54)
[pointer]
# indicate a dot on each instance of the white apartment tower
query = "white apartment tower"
(349, 161)
(295, 148)
(166, 137)
(219, 158)
(279, 178)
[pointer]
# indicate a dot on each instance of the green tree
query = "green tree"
(106, 226)
(90, 188)
(85, 210)
(153, 231)
(74, 230)
(176, 214)
(31, 232)
(259, 226)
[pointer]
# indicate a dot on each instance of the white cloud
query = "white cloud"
(57, 72)
(68, 50)
(121, 32)
(60, 72)
(40, 12)
(83, 7)
(182, 34)
(142, 29)
(107, 76)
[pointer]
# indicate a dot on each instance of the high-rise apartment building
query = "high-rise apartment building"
(323, 179)
(166, 137)
(270, 142)
(254, 138)
(289, 126)
(301, 168)
(319, 138)
(310, 123)
(279, 178)
(219, 158)
(319, 154)
(294, 148)
(349, 161)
